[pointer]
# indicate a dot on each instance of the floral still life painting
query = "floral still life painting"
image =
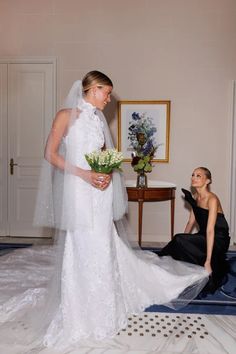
(141, 136)
(143, 132)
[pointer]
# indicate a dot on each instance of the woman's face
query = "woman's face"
(102, 96)
(199, 178)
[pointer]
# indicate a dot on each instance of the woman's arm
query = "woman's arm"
(59, 129)
(210, 232)
(191, 222)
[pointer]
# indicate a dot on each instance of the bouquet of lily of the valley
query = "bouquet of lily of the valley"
(105, 161)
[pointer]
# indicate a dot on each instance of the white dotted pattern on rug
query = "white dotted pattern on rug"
(153, 324)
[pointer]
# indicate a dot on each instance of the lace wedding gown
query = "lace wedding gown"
(102, 279)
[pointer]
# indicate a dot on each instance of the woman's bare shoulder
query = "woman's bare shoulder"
(62, 117)
(213, 197)
(65, 112)
(214, 200)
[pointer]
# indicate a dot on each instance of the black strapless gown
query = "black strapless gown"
(192, 248)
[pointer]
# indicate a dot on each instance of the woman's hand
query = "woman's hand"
(97, 180)
(207, 266)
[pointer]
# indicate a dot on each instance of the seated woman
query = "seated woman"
(209, 245)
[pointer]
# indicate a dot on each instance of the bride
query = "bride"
(98, 278)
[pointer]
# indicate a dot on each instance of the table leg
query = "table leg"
(140, 221)
(172, 217)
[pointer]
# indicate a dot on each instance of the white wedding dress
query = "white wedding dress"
(102, 279)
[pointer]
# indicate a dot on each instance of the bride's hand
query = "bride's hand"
(97, 180)
(100, 180)
(207, 266)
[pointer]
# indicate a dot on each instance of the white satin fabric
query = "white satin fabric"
(102, 279)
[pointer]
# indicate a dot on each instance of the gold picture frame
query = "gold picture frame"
(156, 114)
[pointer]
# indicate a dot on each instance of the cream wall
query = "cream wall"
(180, 50)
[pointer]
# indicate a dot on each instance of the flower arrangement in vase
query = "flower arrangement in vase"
(141, 135)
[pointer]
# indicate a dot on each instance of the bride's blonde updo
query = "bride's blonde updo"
(95, 78)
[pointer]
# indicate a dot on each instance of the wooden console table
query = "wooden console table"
(157, 191)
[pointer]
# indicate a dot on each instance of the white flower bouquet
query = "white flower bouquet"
(105, 161)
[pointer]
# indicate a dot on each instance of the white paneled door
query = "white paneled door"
(3, 151)
(25, 122)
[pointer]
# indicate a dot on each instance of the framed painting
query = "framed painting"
(147, 122)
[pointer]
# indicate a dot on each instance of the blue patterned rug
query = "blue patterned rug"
(222, 302)
(9, 247)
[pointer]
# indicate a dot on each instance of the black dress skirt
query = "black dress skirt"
(192, 248)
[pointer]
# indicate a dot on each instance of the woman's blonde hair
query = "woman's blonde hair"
(95, 78)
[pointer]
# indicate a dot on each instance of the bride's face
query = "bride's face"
(102, 96)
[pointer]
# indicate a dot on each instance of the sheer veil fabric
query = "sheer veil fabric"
(56, 206)
(87, 284)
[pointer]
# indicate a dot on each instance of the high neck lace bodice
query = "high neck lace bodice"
(86, 106)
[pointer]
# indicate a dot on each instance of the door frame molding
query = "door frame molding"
(4, 227)
(233, 165)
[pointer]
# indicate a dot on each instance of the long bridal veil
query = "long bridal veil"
(27, 309)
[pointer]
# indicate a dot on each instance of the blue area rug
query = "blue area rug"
(9, 247)
(222, 302)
